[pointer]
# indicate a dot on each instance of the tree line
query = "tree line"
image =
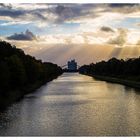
(21, 73)
(126, 69)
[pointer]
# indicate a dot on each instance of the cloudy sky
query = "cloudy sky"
(59, 32)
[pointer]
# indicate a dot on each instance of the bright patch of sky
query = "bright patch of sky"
(65, 28)
(128, 23)
(8, 29)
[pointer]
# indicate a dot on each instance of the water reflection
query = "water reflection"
(75, 105)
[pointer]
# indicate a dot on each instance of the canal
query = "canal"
(74, 105)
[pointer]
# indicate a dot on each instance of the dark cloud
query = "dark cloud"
(7, 10)
(65, 12)
(9, 6)
(27, 36)
(123, 8)
(106, 29)
(60, 13)
(120, 39)
(116, 5)
(12, 12)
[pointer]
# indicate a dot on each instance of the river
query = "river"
(74, 105)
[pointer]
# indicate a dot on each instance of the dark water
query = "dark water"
(75, 105)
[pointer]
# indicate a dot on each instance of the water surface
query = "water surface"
(75, 105)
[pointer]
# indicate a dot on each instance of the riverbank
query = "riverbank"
(115, 70)
(125, 82)
(21, 74)
(18, 94)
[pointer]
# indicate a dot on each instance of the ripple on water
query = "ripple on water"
(74, 105)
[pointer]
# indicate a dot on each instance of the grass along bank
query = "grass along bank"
(126, 82)
(126, 72)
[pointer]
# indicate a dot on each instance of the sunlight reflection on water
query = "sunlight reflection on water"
(75, 105)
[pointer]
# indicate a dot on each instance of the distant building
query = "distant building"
(72, 65)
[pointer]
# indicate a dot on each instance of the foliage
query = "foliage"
(19, 71)
(128, 69)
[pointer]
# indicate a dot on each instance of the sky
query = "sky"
(60, 32)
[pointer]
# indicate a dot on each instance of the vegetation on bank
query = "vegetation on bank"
(125, 72)
(21, 73)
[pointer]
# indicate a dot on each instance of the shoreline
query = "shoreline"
(125, 82)
(19, 94)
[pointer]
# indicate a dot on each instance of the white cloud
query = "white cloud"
(91, 18)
